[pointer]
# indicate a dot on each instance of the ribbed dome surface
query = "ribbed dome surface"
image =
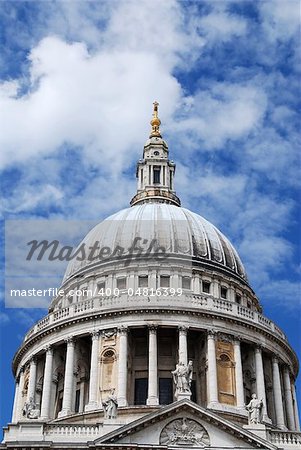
(178, 230)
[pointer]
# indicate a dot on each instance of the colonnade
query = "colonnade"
(286, 413)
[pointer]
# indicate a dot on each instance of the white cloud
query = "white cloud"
(93, 101)
(281, 19)
(221, 26)
(222, 111)
(29, 199)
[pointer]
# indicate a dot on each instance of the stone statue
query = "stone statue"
(30, 409)
(254, 409)
(110, 406)
(182, 376)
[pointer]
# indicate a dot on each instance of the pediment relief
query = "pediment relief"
(183, 432)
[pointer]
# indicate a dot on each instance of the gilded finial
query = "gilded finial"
(155, 122)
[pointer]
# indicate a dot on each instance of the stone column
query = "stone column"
(31, 392)
(19, 396)
(152, 367)
(90, 288)
(15, 406)
(288, 399)
(153, 280)
(196, 284)
(211, 371)
(277, 393)
(47, 384)
(122, 366)
(67, 407)
(239, 384)
(215, 287)
(260, 384)
(93, 385)
(183, 357)
(296, 413)
(174, 281)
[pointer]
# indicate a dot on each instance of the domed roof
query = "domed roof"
(178, 230)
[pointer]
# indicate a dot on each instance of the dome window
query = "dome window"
(157, 170)
(143, 281)
(238, 299)
(121, 283)
(165, 281)
(186, 282)
(101, 286)
(224, 292)
(206, 287)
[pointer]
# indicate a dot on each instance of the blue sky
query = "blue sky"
(77, 82)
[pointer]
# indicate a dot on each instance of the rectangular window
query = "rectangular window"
(101, 286)
(140, 391)
(186, 282)
(224, 292)
(238, 298)
(141, 177)
(143, 281)
(165, 281)
(77, 398)
(165, 391)
(206, 287)
(164, 175)
(170, 180)
(249, 304)
(121, 283)
(156, 171)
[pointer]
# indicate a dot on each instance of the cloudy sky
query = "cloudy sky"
(77, 82)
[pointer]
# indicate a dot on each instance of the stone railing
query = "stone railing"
(72, 430)
(286, 438)
(184, 301)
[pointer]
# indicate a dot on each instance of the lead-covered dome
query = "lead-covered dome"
(178, 230)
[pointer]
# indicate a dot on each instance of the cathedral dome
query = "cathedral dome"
(174, 339)
(180, 231)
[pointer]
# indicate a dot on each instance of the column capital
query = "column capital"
(95, 334)
(183, 329)
(275, 360)
(69, 340)
(237, 339)
(152, 328)
(33, 360)
(211, 334)
(48, 349)
(21, 371)
(122, 330)
(287, 368)
(258, 348)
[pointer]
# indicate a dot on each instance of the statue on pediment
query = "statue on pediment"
(182, 376)
(110, 406)
(254, 408)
